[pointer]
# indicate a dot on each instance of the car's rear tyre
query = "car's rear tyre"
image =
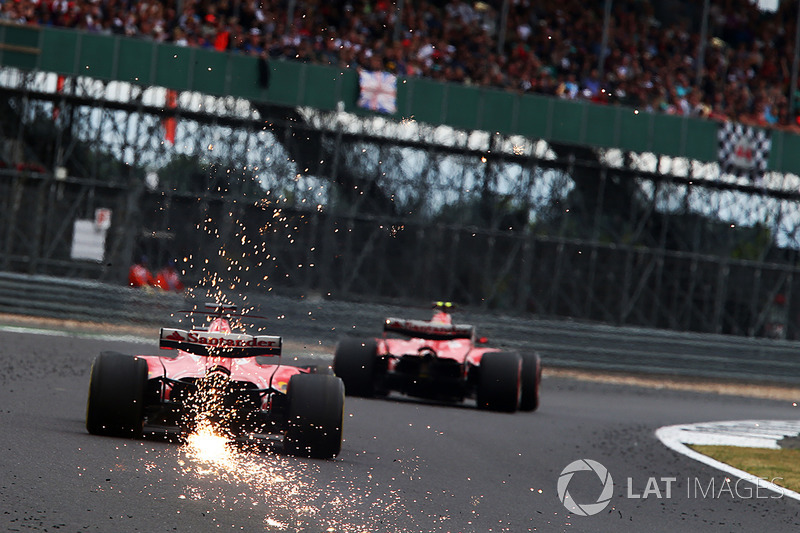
(355, 361)
(315, 416)
(499, 381)
(531, 381)
(116, 395)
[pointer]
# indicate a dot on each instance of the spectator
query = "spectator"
(139, 274)
(168, 278)
(552, 45)
(254, 43)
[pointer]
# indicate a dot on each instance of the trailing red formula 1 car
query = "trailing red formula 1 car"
(439, 360)
(214, 377)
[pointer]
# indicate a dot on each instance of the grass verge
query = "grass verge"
(782, 467)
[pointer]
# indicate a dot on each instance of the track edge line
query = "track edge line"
(668, 435)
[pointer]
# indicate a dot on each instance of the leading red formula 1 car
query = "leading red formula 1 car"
(439, 360)
(214, 377)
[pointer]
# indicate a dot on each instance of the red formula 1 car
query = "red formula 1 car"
(214, 377)
(439, 360)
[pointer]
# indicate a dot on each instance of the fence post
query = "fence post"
(720, 295)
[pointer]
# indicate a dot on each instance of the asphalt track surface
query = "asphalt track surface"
(405, 465)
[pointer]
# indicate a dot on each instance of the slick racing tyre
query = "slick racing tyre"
(499, 381)
(316, 413)
(531, 381)
(355, 361)
(116, 395)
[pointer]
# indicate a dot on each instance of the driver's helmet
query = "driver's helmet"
(441, 314)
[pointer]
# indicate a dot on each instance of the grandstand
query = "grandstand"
(648, 55)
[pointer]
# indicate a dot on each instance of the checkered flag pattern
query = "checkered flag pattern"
(743, 150)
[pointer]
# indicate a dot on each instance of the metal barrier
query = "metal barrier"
(608, 348)
(564, 344)
(83, 300)
(318, 322)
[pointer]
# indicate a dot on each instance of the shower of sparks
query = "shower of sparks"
(208, 445)
(286, 493)
(283, 488)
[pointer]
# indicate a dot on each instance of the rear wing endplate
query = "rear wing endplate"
(428, 330)
(217, 344)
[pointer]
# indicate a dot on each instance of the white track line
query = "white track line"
(75, 334)
(749, 433)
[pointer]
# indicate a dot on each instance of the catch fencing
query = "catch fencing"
(379, 258)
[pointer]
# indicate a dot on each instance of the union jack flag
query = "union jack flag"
(378, 91)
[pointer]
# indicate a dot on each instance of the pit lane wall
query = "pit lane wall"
(73, 53)
(321, 322)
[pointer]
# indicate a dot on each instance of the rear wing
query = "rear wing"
(216, 344)
(428, 330)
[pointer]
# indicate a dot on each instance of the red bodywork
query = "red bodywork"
(437, 359)
(253, 395)
(244, 369)
(460, 350)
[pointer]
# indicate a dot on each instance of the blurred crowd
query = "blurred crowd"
(550, 47)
